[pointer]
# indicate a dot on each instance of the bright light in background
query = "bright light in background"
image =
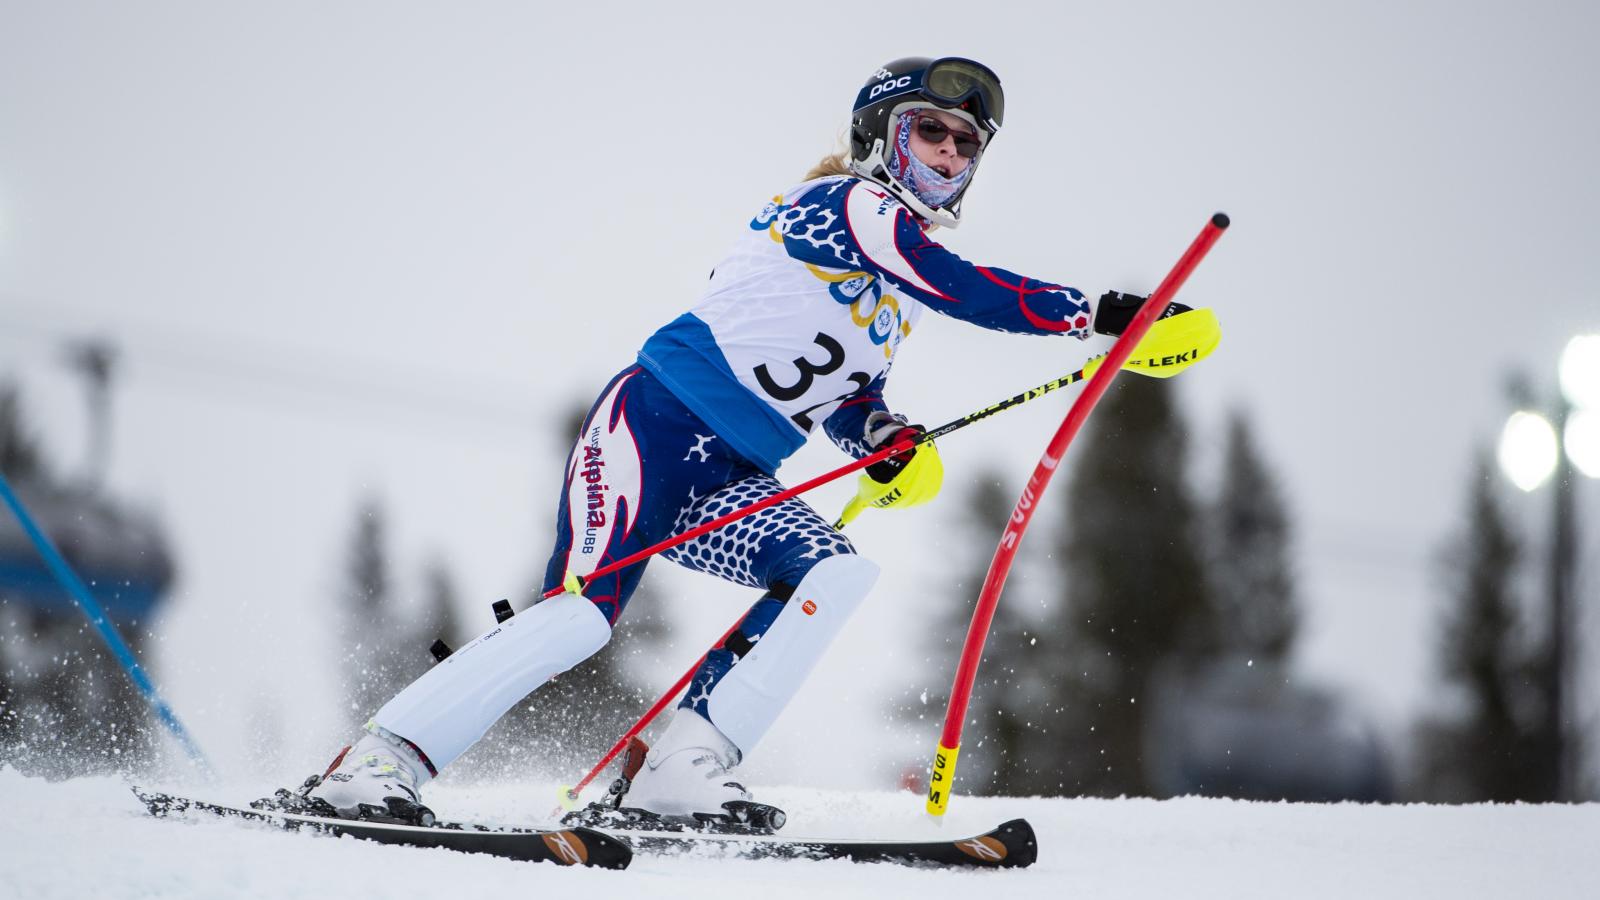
(1527, 450)
(1580, 372)
(1582, 440)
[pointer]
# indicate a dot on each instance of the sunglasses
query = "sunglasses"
(934, 132)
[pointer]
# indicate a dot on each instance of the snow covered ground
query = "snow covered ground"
(89, 837)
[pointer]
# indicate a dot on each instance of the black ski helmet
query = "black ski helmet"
(961, 86)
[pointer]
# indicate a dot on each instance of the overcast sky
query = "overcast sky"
(353, 249)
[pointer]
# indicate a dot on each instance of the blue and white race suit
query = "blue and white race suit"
(797, 329)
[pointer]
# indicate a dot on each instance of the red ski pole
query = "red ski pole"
(944, 758)
(570, 794)
(855, 465)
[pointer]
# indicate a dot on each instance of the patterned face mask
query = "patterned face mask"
(928, 185)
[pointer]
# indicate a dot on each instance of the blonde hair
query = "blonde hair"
(832, 164)
(838, 163)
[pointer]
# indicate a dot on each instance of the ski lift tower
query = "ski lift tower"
(95, 359)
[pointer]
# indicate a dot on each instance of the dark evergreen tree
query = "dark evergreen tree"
(1009, 745)
(1135, 582)
(440, 616)
(1248, 533)
(388, 632)
(1489, 748)
(375, 636)
(419, 619)
(20, 457)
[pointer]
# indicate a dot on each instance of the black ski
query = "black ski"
(1011, 845)
(568, 846)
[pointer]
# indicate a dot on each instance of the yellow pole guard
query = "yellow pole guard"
(569, 800)
(941, 778)
(573, 584)
(851, 510)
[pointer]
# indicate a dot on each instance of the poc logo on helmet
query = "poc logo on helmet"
(896, 84)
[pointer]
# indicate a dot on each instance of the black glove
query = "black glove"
(1115, 311)
(884, 428)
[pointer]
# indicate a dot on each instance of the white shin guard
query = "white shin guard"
(745, 703)
(451, 706)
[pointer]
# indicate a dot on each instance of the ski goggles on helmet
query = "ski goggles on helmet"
(953, 81)
(935, 131)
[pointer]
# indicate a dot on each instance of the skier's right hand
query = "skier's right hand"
(1114, 311)
(904, 480)
(1174, 343)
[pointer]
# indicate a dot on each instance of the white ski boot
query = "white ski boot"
(378, 778)
(685, 782)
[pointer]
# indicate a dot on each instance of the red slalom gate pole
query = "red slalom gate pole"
(944, 758)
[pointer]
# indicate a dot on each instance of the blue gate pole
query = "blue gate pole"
(97, 616)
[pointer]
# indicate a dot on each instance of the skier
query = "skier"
(797, 330)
